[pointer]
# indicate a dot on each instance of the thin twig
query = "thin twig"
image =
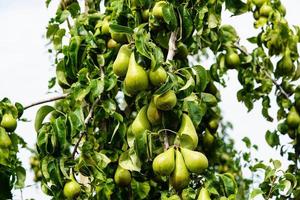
(86, 121)
(243, 50)
(86, 6)
(46, 101)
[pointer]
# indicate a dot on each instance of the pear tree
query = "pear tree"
(139, 118)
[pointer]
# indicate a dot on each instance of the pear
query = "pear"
(293, 118)
(5, 141)
(158, 77)
(140, 123)
(208, 139)
(213, 124)
(164, 163)
(195, 161)
(285, 66)
(204, 194)
(122, 177)
(153, 114)
(119, 37)
(165, 101)
(157, 10)
(180, 177)
(136, 78)
(187, 133)
(120, 65)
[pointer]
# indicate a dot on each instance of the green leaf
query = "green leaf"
(201, 77)
(265, 108)
(120, 29)
(272, 138)
(141, 145)
(255, 192)
(237, 7)
(130, 161)
(170, 16)
(21, 176)
(140, 189)
(209, 99)
(61, 74)
(40, 116)
(247, 142)
(59, 128)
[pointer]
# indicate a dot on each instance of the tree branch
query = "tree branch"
(244, 51)
(172, 46)
(86, 121)
(46, 101)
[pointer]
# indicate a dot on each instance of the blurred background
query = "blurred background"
(26, 66)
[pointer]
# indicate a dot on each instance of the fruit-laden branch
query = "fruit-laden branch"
(86, 121)
(46, 101)
(266, 73)
(170, 56)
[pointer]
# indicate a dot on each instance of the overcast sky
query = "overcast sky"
(25, 69)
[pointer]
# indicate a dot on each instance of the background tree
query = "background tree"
(113, 121)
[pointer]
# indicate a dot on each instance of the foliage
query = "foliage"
(111, 126)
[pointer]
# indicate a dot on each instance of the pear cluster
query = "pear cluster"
(8, 124)
(178, 163)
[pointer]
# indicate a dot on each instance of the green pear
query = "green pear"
(180, 177)
(158, 77)
(157, 10)
(122, 177)
(208, 139)
(285, 65)
(140, 123)
(164, 163)
(195, 161)
(213, 124)
(174, 197)
(204, 194)
(136, 79)
(232, 59)
(153, 114)
(187, 133)
(165, 101)
(119, 37)
(5, 141)
(120, 65)
(293, 118)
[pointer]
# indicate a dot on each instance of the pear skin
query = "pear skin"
(164, 163)
(140, 123)
(120, 65)
(158, 77)
(153, 114)
(122, 177)
(208, 139)
(293, 118)
(195, 161)
(165, 101)
(136, 79)
(187, 133)
(204, 194)
(180, 177)
(105, 26)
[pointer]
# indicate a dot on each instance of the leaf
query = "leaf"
(130, 161)
(140, 189)
(120, 29)
(247, 142)
(196, 111)
(272, 138)
(40, 116)
(170, 16)
(201, 77)
(61, 75)
(209, 99)
(141, 145)
(21, 176)
(213, 20)
(237, 7)
(265, 108)
(59, 128)
(255, 192)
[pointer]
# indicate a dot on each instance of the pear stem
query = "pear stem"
(244, 51)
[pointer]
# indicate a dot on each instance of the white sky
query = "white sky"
(25, 69)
